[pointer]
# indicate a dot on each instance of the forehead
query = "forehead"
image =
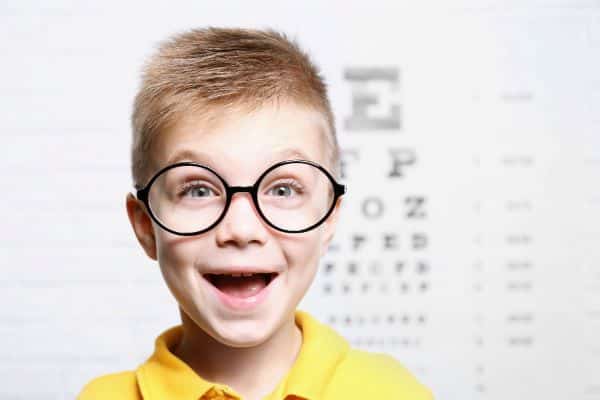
(238, 140)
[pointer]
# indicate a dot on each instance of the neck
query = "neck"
(254, 371)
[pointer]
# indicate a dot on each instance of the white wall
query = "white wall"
(491, 287)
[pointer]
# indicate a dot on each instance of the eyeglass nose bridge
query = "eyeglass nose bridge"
(231, 190)
(235, 189)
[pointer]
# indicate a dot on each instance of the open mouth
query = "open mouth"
(241, 285)
(266, 277)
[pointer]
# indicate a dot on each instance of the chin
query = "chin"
(246, 333)
(244, 339)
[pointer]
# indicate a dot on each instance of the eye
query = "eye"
(195, 189)
(286, 189)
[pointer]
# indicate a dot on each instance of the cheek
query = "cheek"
(176, 257)
(302, 253)
(175, 249)
(167, 252)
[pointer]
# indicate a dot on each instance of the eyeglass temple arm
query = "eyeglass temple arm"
(141, 194)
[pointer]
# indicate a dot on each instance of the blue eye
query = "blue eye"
(281, 190)
(202, 191)
(286, 189)
(195, 189)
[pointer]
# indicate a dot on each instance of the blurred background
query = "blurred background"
(469, 246)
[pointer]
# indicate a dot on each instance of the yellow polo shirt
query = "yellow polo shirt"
(326, 368)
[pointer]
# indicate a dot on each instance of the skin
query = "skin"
(249, 351)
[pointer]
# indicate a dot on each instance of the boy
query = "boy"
(234, 158)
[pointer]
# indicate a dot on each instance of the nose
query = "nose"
(241, 224)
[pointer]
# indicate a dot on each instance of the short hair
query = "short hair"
(205, 69)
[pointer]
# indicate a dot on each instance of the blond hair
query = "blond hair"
(208, 68)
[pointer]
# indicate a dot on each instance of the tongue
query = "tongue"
(243, 286)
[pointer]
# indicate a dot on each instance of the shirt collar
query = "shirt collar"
(165, 376)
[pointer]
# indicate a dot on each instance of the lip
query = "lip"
(242, 303)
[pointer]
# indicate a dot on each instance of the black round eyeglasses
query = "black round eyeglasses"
(292, 196)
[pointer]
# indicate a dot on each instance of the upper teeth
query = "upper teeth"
(242, 274)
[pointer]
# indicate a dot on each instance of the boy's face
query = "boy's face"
(239, 146)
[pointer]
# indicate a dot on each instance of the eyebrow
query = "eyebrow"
(192, 155)
(189, 155)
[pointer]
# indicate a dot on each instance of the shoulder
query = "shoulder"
(115, 386)
(364, 374)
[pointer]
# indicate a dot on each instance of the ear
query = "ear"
(329, 226)
(141, 224)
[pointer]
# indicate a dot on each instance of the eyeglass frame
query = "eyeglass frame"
(338, 190)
